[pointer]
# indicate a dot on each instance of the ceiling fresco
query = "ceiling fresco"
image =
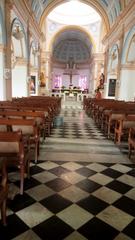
(113, 8)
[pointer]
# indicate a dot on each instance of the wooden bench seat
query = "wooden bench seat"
(12, 150)
(29, 129)
(131, 142)
(122, 127)
(3, 190)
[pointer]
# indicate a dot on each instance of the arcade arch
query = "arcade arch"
(19, 59)
(54, 30)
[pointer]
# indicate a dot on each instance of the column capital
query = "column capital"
(47, 55)
(10, 4)
(2, 48)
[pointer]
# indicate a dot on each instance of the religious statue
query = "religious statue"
(101, 81)
(32, 85)
(42, 80)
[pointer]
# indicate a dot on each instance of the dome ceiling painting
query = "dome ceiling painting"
(112, 8)
(72, 44)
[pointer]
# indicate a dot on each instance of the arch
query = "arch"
(96, 5)
(20, 58)
(24, 33)
(2, 28)
(126, 44)
(130, 57)
(71, 28)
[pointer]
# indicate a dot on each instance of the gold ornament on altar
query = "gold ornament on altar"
(42, 80)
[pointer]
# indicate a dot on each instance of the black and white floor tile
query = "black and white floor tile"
(76, 199)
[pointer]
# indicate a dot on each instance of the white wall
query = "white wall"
(2, 80)
(127, 85)
(19, 81)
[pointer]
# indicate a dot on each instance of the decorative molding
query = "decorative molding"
(72, 28)
(33, 69)
(21, 61)
(130, 66)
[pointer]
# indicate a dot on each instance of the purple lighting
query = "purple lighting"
(83, 82)
(57, 81)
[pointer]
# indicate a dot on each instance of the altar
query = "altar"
(70, 94)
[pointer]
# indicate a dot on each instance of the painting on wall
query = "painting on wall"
(32, 85)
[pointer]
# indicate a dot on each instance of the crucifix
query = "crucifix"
(70, 70)
(70, 73)
(70, 77)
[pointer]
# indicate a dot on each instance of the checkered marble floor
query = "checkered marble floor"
(75, 199)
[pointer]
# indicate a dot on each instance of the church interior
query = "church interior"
(67, 119)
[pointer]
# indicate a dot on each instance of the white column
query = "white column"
(48, 70)
(2, 79)
(8, 7)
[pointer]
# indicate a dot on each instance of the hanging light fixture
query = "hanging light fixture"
(17, 32)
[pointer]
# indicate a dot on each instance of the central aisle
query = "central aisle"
(82, 188)
(79, 139)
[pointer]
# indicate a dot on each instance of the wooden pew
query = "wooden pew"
(48, 115)
(3, 190)
(122, 127)
(131, 142)
(12, 150)
(29, 128)
(39, 117)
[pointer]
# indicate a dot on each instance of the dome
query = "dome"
(72, 44)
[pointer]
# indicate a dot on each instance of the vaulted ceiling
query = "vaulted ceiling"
(112, 8)
(72, 44)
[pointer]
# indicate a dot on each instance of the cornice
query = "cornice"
(34, 69)
(130, 66)
(21, 61)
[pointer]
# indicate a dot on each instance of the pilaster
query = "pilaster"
(48, 70)
(118, 82)
(7, 57)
